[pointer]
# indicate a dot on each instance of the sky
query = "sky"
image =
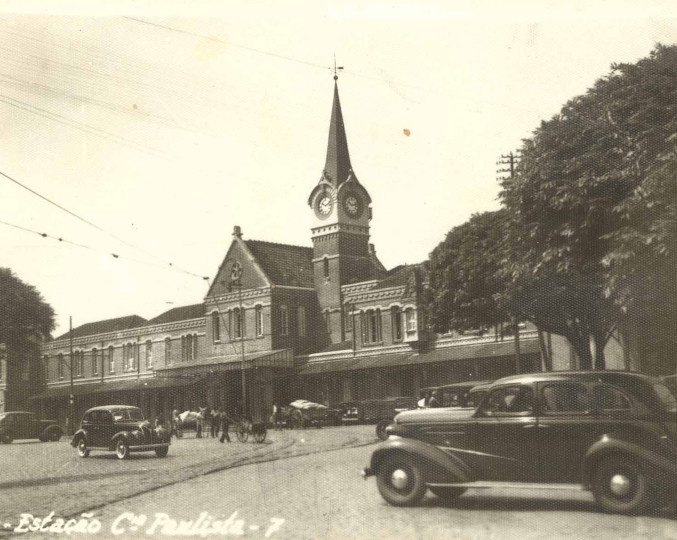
(141, 136)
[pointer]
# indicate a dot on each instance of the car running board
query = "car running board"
(508, 485)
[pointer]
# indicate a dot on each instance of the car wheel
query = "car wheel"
(620, 486)
(400, 481)
(121, 449)
(162, 451)
(83, 451)
(54, 435)
(381, 429)
(260, 434)
(447, 493)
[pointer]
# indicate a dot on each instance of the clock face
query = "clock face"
(352, 205)
(324, 205)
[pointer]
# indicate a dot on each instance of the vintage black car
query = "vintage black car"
(614, 433)
(120, 428)
(25, 425)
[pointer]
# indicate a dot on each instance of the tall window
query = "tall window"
(188, 347)
(130, 354)
(284, 321)
(301, 321)
(193, 349)
(111, 359)
(325, 264)
(371, 326)
(79, 363)
(168, 351)
(95, 361)
(149, 354)
(59, 365)
(259, 320)
(410, 316)
(348, 317)
(396, 316)
(327, 320)
(238, 323)
(216, 326)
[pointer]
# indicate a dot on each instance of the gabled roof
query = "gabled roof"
(183, 313)
(103, 327)
(284, 264)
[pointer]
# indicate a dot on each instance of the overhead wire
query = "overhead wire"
(169, 266)
(94, 225)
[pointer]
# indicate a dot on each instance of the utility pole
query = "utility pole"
(243, 380)
(507, 164)
(71, 397)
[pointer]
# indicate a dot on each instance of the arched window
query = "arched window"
(325, 264)
(238, 327)
(59, 365)
(111, 359)
(95, 361)
(301, 321)
(259, 320)
(216, 326)
(149, 354)
(78, 360)
(284, 321)
(168, 351)
(396, 317)
(371, 326)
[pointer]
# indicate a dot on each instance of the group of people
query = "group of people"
(216, 419)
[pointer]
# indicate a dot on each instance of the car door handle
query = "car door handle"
(529, 426)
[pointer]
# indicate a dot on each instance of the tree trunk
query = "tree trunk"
(581, 345)
(600, 361)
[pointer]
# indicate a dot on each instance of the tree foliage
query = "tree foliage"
(464, 274)
(24, 315)
(593, 207)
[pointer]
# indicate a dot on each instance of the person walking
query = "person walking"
(176, 425)
(277, 417)
(215, 422)
(225, 425)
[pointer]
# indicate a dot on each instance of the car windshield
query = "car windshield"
(666, 396)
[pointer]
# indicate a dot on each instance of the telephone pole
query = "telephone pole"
(507, 164)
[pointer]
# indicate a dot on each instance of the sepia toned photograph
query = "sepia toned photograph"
(344, 270)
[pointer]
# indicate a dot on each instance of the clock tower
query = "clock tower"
(341, 213)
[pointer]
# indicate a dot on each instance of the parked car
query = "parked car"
(25, 425)
(382, 411)
(614, 433)
(351, 412)
(476, 394)
(119, 428)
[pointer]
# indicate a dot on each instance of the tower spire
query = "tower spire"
(337, 167)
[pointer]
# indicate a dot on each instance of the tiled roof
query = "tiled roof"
(102, 327)
(182, 313)
(399, 276)
(284, 264)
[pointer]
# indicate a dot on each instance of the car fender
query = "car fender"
(661, 467)
(51, 429)
(437, 462)
(79, 434)
(126, 435)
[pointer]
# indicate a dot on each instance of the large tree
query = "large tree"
(464, 274)
(25, 320)
(593, 207)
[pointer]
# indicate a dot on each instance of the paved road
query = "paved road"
(322, 496)
(38, 478)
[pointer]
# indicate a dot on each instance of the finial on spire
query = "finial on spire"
(336, 69)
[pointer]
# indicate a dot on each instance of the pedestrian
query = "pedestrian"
(176, 424)
(225, 425)
(215, 421)
(277, 417)
(200, 422)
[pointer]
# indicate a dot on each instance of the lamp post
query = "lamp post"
(71, 397)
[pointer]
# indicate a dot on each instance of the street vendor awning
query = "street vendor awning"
(282, 358)
(476, 351)
(330, 366)
(146, 383)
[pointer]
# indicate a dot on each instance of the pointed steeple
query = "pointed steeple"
(337, 167)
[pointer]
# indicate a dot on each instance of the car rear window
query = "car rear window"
(565, 398)
(610, 400)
